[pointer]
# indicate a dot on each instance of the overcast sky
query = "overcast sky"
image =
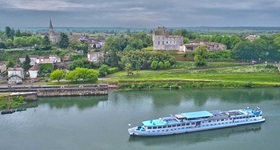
(139, 13)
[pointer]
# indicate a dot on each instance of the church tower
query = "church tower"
(52, 35)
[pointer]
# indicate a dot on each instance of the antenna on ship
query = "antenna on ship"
(129, 124)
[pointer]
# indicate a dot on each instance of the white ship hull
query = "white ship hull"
(202, 126)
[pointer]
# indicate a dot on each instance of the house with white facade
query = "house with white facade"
(34, 59)
(96, 57)
(54, 58)
(33, 71)
(15, 75)
(48, 59)
(252, 37)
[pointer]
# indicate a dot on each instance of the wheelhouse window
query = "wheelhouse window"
(154, 127)
(149, 127)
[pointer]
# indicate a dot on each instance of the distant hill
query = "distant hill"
(122, 29)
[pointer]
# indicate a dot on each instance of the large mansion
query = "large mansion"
(162, 40)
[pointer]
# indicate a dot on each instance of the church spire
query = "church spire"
(51, 27)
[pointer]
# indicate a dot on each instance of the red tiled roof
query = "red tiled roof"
(35, 67)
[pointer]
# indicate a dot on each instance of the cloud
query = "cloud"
(46, 5)
(144, 13)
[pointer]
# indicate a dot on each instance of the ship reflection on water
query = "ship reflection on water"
(197, 137)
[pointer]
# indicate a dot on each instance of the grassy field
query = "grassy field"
(241, 76)
(3, 100)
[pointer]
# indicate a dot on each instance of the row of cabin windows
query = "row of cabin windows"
(178, 125)
(188, 127)
(247, 117)
(169, 129)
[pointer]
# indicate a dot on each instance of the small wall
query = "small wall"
(28, 96)
(71, 92)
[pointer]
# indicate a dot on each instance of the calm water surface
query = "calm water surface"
(101, 122)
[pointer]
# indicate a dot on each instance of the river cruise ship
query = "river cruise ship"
(197, 121)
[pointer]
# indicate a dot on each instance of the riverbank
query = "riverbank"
(26, 93)
(233, 77)
(12, 102)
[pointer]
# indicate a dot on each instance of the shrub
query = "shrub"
(113, 70)
(154, 65)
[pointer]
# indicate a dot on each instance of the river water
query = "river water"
(101, 122)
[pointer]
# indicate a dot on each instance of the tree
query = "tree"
(10, 64)
(2, 45)
(74, 43)
(17, 33)
(82, 73)
(63, 41)
(76, 64)
(46, 43)
(35, 40)
(103, 70)
(26, 63)
(9, 43)
(244, 51)
(186, 40)
(9, 33)
(91, 75)
(57, 75)
(72, 76)
(200, 55)
(128, 69)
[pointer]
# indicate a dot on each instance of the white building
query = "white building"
(15, 75)
(95, 57)
(54, 58)
(33, 59)
(163, 41)
(33, 72)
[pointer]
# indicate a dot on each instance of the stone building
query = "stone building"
(163, 41)
(15, 75)
(211, 46)
(53, 37)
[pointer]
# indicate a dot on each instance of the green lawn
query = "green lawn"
(260, 75)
